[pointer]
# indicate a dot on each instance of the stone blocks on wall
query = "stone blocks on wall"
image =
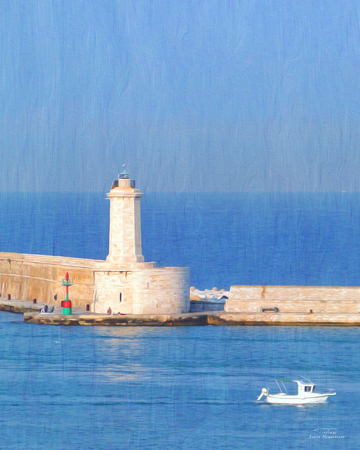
(317, 299)
(125, 226)
(37, 276)
(108, 288)
(161, 291)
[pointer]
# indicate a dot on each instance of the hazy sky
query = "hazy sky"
(193, 95)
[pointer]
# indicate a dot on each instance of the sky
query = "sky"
(193, 96)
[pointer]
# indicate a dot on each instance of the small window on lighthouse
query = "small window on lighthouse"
(120, 297)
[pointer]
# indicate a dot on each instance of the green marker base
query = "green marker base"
(67, 311)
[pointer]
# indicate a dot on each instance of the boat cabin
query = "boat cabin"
(305, 387)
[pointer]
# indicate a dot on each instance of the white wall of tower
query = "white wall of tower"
(125, 226)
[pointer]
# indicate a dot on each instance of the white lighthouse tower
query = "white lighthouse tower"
(125, 282)
(125, 222)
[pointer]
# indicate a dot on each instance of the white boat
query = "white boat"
(306, 394)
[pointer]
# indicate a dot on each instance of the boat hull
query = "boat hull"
(294, 400)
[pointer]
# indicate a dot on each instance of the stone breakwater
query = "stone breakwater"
(285, 299)
(196, 319)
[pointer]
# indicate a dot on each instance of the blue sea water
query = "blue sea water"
(186, 387)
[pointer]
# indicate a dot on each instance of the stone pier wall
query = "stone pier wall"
(37, 276)
(318, 299)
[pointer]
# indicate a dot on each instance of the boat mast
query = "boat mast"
(307, 379)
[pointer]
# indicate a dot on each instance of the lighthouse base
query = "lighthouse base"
(132, 288)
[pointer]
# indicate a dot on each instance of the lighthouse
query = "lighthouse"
(125, 222)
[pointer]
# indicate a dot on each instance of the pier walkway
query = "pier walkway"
(32, 315)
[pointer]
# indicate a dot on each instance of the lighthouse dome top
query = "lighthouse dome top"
(123, 181)
(124, 175)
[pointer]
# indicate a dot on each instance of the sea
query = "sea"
(185, 387)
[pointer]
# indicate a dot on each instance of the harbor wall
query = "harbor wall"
(294, 299)
(146, 289)
(37, 276)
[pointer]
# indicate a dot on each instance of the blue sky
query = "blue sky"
(193, 95)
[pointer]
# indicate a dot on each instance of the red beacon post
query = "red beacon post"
(66, 304)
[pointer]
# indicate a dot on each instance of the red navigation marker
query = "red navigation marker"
(66, 304)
